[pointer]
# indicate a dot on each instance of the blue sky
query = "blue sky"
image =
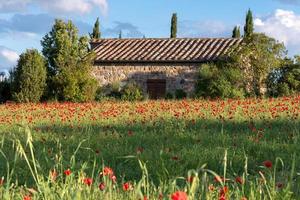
(24, 22)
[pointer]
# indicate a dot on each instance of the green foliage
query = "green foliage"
(174, 25)
(180, 94)
(5, 91)
(257, 56)
(131, 92)
(249, 26)
(284, 81)
(29, 77)
(96, 30)
(236, 32)
(169, 96)
(217, 80)
(69, 64)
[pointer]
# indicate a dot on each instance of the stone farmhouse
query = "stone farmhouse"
(160, 65)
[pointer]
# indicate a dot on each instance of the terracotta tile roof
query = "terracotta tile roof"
(162, 50)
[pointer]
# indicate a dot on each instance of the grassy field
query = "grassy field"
(202, 148)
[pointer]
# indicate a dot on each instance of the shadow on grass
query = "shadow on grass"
(169, 148)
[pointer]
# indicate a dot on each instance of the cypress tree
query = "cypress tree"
(29, 77)
(236, 32)
(120, 34)
(96, 30)
(174, 26)
(249, 26)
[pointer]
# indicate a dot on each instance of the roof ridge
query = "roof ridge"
(185, 38)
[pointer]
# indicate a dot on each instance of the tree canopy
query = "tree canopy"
(69, 63)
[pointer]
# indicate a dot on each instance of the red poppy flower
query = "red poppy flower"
(223, 191)
(179, 195)
(101, 186)
(243, 198)
(127, 186)
(67, 172)
(130, 133)
(239, 180)
(190, 179)
(113, 178)
(107, 171)
(279, 185)
(88, 181)
(268, 164)
(26, 197)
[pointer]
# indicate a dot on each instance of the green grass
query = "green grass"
(170, 138)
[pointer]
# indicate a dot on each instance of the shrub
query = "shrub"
(115, 90)
(131, 92)
(169, 96)
(219, 81)
(29, 77)
(180, 94)
(5, 91)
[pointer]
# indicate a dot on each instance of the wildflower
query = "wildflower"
(101, 186)
(223, 192)
(113, 178)
(127, 186)
(130, 133)
(243, 198)
(239, 180)
(279, 185)
(53, 175)
(107, 171)
(175, 158)
(139, 150)
(190, 179)
(27, 197)
(179, 195)
(67, 172)
(268, 164)
(88, 181)
(211, 187)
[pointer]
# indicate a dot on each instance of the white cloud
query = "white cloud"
(209, 28)
(57, 6)
(13, 5)
(8, 58)
(284, 25)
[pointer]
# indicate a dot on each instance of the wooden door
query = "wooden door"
(156, 88)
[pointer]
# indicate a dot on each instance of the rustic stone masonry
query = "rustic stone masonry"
(177, 75)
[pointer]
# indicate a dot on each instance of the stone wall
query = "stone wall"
(178, 76)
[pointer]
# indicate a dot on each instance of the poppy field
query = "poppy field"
(188, 149)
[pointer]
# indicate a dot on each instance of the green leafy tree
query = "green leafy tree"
(257, 56)
(174, 26)
(29, 77)
(285, 80)
(219, 80)
(69, 63)
(96, 30)
(249, 26)
(236, 32)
